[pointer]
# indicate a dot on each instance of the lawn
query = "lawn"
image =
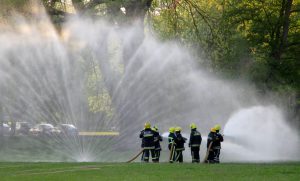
(138, 171)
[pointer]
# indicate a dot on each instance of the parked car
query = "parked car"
(23, 128)
(69, 130)
(56, 131)
(44, 129)
(5, 129)
(35, 131)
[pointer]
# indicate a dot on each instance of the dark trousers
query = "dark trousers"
(211, 156)
(146, 155)
(157, 154)
(178, 156)
(195, 154)
(217, 155)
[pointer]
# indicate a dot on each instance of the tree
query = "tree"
(123, 13)
(272, 30)
(203, 28)
(256, 40)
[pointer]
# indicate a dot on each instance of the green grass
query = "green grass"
(144, 172)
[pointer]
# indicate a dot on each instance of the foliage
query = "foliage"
(9, 6)
(201, 27)
(272, 29)
(252, 39)
(98, 97)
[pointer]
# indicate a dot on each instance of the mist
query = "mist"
(58, 77)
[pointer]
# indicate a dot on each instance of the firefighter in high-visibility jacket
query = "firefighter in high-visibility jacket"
(179, 145)
(194, 143)
(171, 144)
(147, 136)
(157, 140)
(217, 144)
(211, 138)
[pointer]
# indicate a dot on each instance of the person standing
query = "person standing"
(1, 128)
(217, 144)
(194, 143)
(147, 136)
(179, 145)
(171, 144)
(157, 140)
(13, 128)
(211, 138)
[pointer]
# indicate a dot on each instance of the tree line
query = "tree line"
(255, 40)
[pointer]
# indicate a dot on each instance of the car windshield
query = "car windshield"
(46, 126)
(5, 125)
(69, 126)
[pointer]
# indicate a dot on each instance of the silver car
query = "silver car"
(68, 130)
(5, 129)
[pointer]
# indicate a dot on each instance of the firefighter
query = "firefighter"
(217, 144)
(171, 144)
(147, 136)
(194, 143)
(157, 140)
(211, 138)
(179, 145)
(13, 128)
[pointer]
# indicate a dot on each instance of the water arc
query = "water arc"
(77, 77)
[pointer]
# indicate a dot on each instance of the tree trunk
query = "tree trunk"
(281, 37)
(285, 26)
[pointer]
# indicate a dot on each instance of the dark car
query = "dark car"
(44, 129)
(68, 130)
(23, 128)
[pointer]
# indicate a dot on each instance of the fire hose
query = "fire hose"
(132, 159)
(207, 152)
(172, 152)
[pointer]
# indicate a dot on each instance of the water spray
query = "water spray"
(83, 80)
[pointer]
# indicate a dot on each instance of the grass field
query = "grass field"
(144, 172)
